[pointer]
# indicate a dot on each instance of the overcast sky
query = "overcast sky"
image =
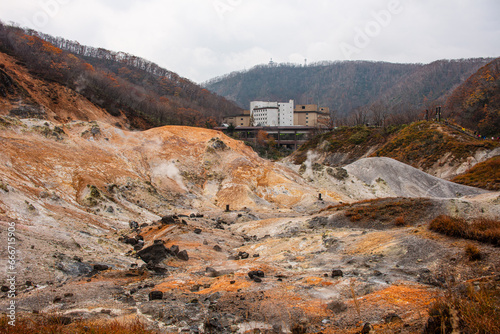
(201, 39)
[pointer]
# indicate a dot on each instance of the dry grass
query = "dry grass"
(60, 325)
(481, 229)
(484, 175)
(477, 310)
(385, 212)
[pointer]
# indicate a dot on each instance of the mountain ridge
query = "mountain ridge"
(351, 85)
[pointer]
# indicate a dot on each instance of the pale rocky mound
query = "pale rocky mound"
(406, 181)
(371, 178)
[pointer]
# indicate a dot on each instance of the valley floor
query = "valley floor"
(112, 225)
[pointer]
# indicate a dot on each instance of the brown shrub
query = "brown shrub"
(56, 324)
(481, 229)
(400, 221)
(474, 309)
(472, 252)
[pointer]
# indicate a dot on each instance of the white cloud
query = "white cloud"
(200, 39)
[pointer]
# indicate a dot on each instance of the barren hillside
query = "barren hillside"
(107, 220)
(183, 229)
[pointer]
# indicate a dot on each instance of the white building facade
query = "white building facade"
(272, 113)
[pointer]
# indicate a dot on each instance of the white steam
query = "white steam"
(169, 170)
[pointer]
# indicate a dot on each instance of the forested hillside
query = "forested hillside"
(476, 103)
(365, 91)
(120, 83)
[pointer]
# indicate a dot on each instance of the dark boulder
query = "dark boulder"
(183, 255)
(170, 219)
(130, 241)
(337, 273)
(100, 267)
(155, 253)
(155, 295)
(367, 329)
(256, 273)
(133, 225)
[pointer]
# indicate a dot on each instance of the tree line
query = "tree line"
(118, 82)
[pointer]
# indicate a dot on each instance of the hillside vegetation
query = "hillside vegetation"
(376, 90)
(122, 84)
(484, 175)
(476, 103)
(425, 145)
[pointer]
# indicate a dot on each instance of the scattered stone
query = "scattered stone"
(155, 295)
(337, 306)
(256, 255)
(337, 273)
(139, 238)
(5, 288)
(195, 288)
(257, 280)
(213, 325)
(77, 258)
(100, 267)
(198, 231)
(104, 311)
(211, 272)
(175, 249)
(29, 283)
(243, 255)
(183, 255)
(217, 248)
(133, 225)
(392, 317)
(232, 282)
(57, 300)
(110, 209)
(68, 295)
